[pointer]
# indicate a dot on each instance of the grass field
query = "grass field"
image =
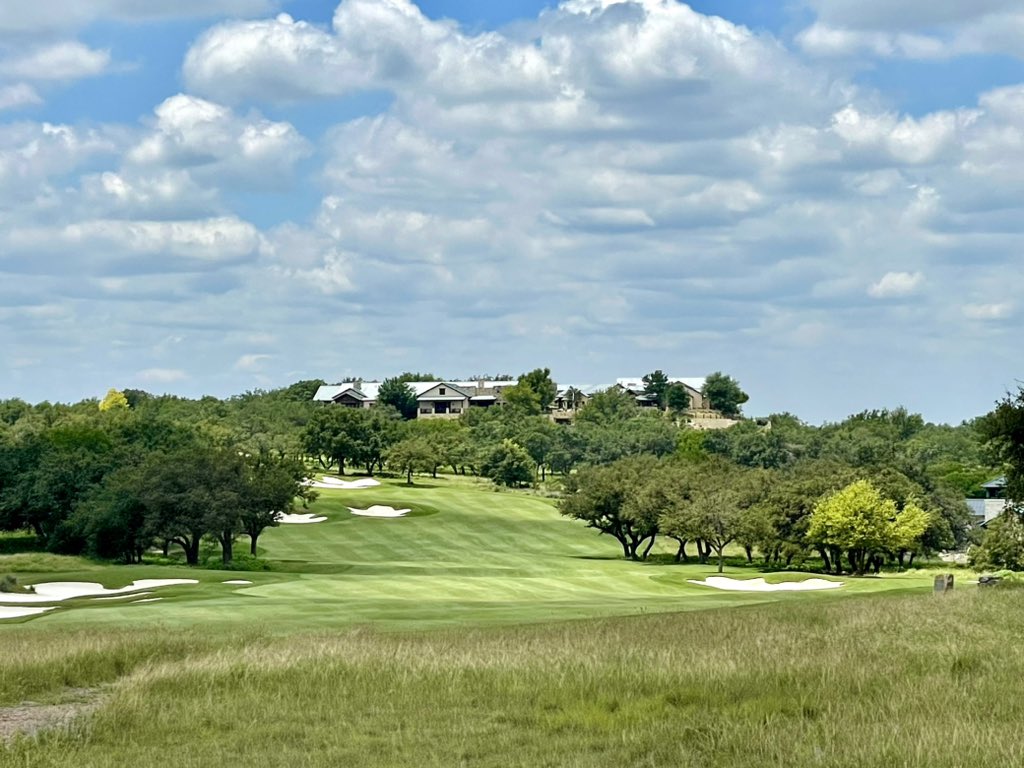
(484, 629)
(465, 556)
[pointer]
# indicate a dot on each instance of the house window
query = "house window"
(442, 391)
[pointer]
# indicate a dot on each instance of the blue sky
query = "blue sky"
(822, 198)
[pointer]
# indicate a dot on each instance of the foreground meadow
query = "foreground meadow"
(909, 680)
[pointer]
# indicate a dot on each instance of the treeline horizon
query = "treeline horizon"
(62, 468)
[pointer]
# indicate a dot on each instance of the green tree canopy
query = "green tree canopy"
(724, 394)
(400, 396)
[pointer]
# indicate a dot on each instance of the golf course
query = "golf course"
(483, 628)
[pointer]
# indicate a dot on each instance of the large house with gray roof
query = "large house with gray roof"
(434, 399)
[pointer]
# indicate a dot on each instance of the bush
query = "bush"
(240, 562)
(1002, 545)
(9, 584)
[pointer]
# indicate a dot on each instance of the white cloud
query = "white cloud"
(18, 95)
(914, 29)
(223, 239)
(21, 18)
(611, 67)
(68, 60)
(251, 362)
(997, 311)
(161, 375)
(193, 133)
(896, 284)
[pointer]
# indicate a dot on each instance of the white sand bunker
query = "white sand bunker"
(58, 591)
(760, 585)
(237, 581)
(378, 510)
(147, 600)
(299, 519)
(8, 612)
(336, 483)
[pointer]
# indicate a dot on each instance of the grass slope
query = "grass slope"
(465, 555)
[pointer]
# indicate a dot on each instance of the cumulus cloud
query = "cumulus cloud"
(69, 60)
(587, 65)
(189, 132)
(896, 284)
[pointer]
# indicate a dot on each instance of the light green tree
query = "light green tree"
(114, 400)
(855, 520)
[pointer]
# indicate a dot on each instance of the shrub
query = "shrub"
(240, 562)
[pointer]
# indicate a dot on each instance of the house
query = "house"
(434, 399)
(987, 509)
(636, 387)
(568, 401)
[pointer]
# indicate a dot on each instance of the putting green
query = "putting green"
(464, 555)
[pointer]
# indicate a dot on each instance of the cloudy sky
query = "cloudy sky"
(823, 198)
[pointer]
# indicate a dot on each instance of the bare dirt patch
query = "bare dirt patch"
(29, 718)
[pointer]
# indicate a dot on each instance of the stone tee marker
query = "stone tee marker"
(944, 583)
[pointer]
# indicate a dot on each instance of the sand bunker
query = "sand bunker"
(8, 612)
(147, 600)
(378, 510)
(303, 519)
(760, 585)
(237, 581)
(335, 483)
(58, 591)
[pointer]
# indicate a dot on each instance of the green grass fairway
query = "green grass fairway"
(466, 555)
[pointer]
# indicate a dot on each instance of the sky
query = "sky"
(821, 198)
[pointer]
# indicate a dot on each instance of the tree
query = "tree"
(191, 493)
(270, 487)
(114, 400)
(602, 498)
(723, 394)
(400, 396)
(854, 520)
(712, 504)
(539, 382)
(656, 384)
(907, 530)
(337, 433)
(509, 464)
(112, 519)
(677, 398)
(413, 454)
(1003, 543)
(609, 406)
(1003, 428)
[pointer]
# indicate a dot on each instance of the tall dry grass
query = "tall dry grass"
(909, 681)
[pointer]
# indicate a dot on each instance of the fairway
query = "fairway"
(465, 555)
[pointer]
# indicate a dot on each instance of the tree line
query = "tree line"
(66, 470)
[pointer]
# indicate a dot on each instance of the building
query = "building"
(434, 399)
(992, 505)
(450, 399)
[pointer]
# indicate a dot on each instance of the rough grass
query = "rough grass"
(911, 681)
